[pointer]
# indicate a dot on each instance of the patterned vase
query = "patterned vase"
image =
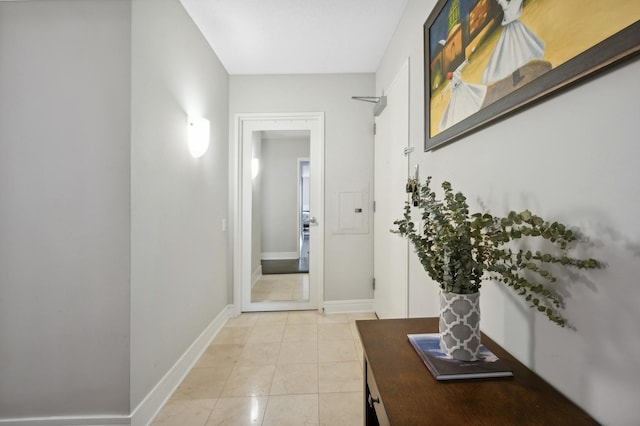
(460, 325)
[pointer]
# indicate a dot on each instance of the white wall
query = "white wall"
(64, 208)
(113, 258)
(280, 187)
(570, 158)
(305, 176)
(348, 158)
(179, 279)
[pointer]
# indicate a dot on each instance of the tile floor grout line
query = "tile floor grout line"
(318, 322)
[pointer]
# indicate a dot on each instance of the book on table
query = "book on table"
(443, 367)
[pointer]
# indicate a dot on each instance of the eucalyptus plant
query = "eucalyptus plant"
(459, 250)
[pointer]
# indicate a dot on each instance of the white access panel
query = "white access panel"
(353, 212)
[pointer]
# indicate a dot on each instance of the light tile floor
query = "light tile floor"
(275, 368)
(281, 287)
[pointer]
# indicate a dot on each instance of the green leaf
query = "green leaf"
(458, 248)
(525, 215)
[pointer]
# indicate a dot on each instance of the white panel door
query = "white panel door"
(391, 171)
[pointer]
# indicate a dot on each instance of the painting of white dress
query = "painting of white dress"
(516, 47)
(481, 54)
(465, 98)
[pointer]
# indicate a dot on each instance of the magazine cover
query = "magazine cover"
(443, 367)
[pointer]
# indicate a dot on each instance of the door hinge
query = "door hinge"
(373, 282)
(374, 128)
(374, 206)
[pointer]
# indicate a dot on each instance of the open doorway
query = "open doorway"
(250, 128)
(281, 216)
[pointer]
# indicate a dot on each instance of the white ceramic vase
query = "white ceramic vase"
(460, 325)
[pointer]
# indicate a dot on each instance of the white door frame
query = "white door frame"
(241, 206)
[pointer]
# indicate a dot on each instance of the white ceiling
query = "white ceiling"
(297, 36)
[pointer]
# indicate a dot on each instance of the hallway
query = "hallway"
(281, 287)
(289, 266)
(275, 368)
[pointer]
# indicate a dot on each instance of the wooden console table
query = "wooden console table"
(399, 390)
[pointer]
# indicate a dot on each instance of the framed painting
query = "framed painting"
(486, 58)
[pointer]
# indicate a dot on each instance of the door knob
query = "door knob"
(313, 220)
(371, 400)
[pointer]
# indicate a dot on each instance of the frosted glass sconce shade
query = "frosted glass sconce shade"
(255, 167)
(198, 134)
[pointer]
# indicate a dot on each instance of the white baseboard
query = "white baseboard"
(256, 275)
(348, 306)
(69, 421)
(146, 411)
(149, 408)
(285, 255)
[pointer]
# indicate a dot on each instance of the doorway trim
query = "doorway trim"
(241, 216)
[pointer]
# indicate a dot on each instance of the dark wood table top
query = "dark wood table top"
(412, 396)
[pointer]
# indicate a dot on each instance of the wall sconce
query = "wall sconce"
(198, 134)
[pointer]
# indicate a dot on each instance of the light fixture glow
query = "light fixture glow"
(255, 167)
(198, 133)
(255, 409)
